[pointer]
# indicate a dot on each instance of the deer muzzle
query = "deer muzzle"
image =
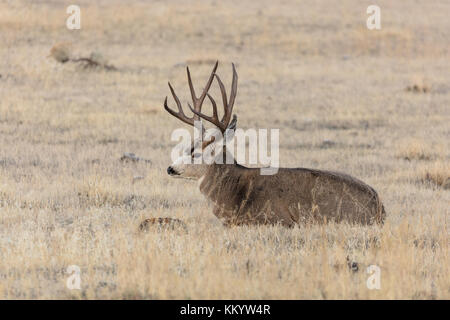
(172, 172)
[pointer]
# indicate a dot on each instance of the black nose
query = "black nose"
(170, 171)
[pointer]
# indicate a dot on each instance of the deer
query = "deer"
(240, 195)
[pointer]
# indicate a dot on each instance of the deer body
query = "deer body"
(242, 195)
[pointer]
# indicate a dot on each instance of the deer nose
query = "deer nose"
(171, 171)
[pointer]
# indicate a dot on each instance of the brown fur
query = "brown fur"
(243, 196)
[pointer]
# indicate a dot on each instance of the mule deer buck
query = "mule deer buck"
(242, 195)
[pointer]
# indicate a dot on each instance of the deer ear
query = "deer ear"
(232, 125)
(229, 133)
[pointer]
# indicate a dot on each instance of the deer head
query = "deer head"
(184, 167)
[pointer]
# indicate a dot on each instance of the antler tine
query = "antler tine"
(214, 119)
(227, 115)
(224, 96)
(227, 105)
(196, 101)
(180, 114)
(199, 101)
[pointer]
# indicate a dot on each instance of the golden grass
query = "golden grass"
(415, 149)
(437, 174)
(310, 68)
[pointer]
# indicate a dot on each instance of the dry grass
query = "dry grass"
(419, 84)
(310, 68)
(437, 174)
(415, 149)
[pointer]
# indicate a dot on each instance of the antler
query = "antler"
(227, 105)
(196, 101)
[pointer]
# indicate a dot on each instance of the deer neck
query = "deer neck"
(221, 182)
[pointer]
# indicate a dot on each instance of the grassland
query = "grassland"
(343, 97)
